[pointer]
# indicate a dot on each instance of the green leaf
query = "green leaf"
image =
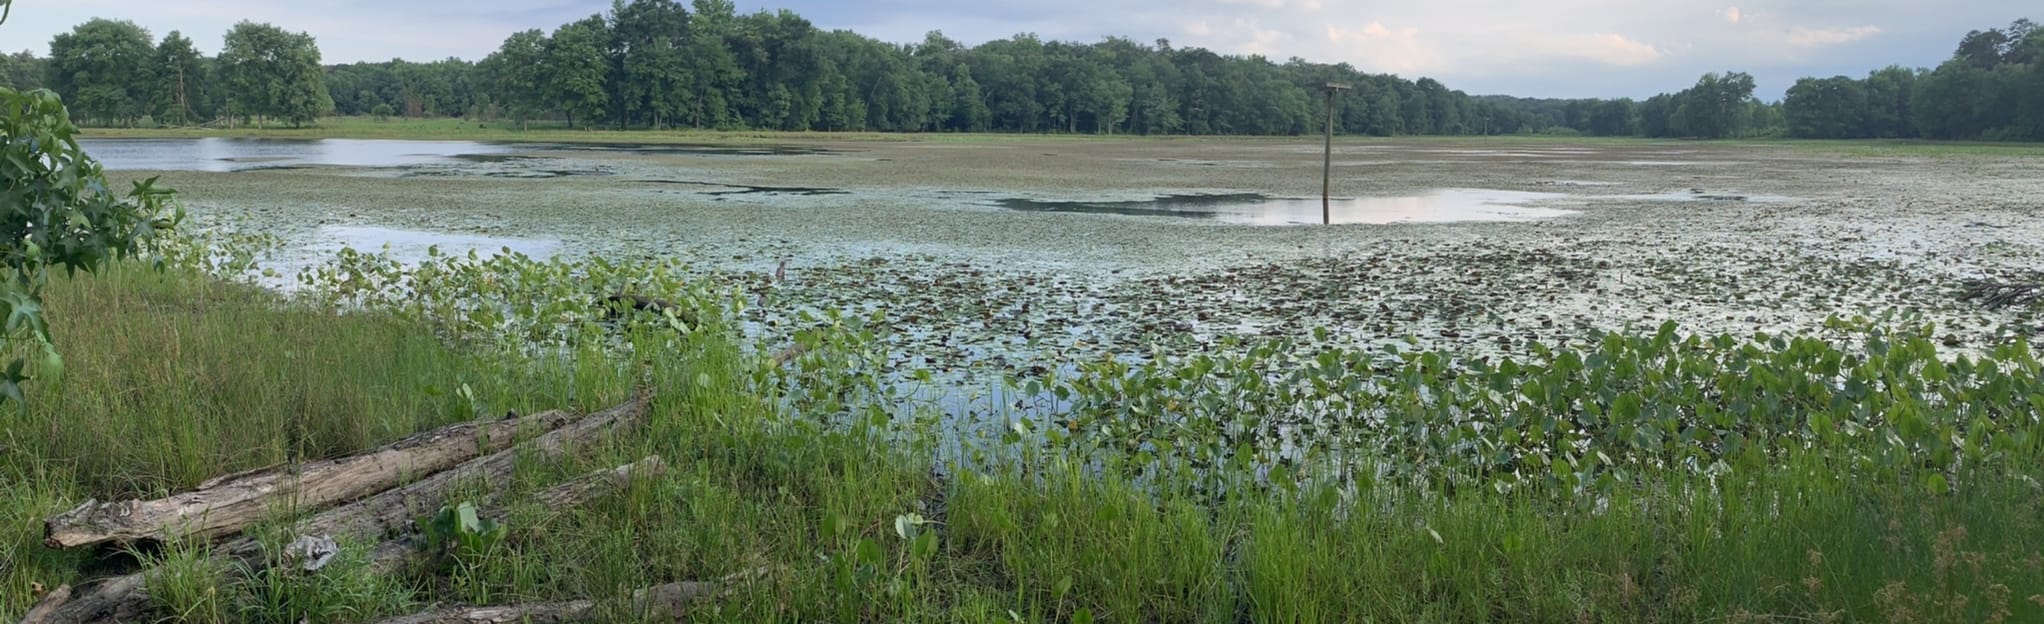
(868, 552)
(467, 519)
(1936, 484)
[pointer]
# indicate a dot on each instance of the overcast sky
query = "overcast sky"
(1556, 48)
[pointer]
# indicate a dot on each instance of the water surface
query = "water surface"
(224, 154)
(407, 246)
(1440, 206)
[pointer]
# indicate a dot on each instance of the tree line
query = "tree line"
(112, 72)
(1992, 88)
(660, 64)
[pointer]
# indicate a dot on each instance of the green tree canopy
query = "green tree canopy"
(177, 81)
(272, 73)
(100, 64)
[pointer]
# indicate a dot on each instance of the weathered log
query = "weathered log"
(653, 603)
(117, 599)
(126, 598)
(393, 510)
(226, 505)
(48, 604)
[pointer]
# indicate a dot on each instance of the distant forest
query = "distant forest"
(659, 64)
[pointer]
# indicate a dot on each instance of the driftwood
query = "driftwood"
(393, 510)
(668, 601)
(125, 598)
(229, 504)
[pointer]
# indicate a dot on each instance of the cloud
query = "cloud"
(1614, 50)
(1733, 15)
(1809, 37)
(1397, 50)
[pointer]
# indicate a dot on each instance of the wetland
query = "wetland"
(985, 253)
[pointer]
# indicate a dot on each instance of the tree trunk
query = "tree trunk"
(228, 504)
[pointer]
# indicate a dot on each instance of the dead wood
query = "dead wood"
(1999, 294)
(226, 505)
(125, 598)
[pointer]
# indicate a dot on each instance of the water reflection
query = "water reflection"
(224, 155)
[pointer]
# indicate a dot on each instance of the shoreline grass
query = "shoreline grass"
(173, 377)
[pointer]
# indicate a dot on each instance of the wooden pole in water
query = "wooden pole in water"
(1327, 160)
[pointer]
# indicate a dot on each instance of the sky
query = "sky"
(1552, 48)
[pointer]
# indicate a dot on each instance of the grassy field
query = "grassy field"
(173, 378)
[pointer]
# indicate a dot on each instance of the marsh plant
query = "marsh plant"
(1623, 409)
(1855, 472)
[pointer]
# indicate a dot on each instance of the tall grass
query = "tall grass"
(172, 378)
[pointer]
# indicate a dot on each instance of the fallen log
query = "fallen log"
(47, 604)
(118, 599)
(392, 511)
(226, 505)
(126, 598)
(668, 601)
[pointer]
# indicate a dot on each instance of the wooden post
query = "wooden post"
(1327, 161)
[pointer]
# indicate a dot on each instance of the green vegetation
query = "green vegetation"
(1989, 90)
(268, 72)
(56, 212)
(1854, 475)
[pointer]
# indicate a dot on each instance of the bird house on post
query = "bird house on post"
(1327, 162)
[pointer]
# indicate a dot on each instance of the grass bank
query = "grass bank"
(173, 378)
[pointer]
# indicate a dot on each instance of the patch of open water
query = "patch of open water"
(218, 154)
(1440, 206)
(406, 246)
(222, 155)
